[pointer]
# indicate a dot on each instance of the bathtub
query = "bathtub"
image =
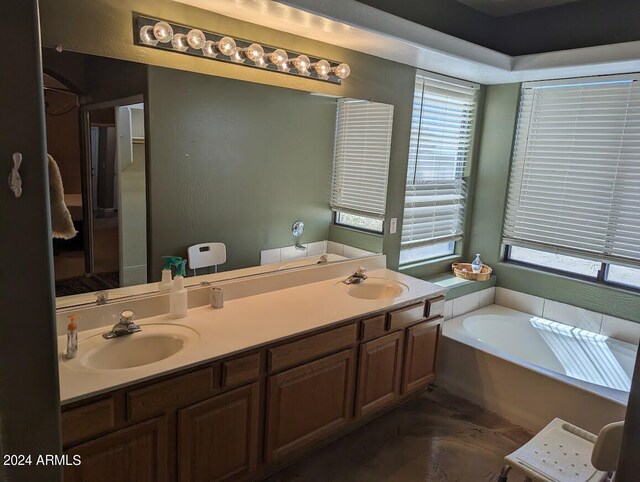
(531, 370)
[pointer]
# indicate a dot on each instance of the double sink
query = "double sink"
(160, 341)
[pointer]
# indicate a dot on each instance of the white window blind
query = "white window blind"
(442, 127)
(575, 176)
(361, 157)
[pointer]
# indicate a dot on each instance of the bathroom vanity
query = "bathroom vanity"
(244, 415)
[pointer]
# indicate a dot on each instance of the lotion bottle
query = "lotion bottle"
(72, 337)
(178, 297)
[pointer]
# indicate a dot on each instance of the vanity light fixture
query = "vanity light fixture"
(159, 34)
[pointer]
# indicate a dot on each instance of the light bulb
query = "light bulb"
(146, 35)
(254, 52)
(227, 46)
(196, 39)
(301, 63)
(278, 57)
(209, 49)
(236, 55)
(322, 68)
(163, 32)
(342, 71)
(179, 42)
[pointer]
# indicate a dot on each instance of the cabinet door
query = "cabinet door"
(420, 355)
(379, 373)
(134, 454)
(307, 403)
(218, 438)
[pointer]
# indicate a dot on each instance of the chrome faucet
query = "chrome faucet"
(357, 277)
(125, 326)
(102, 297)
(324, 259)
(300, 246)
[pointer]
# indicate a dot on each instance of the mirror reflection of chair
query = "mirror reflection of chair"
(562, 451)
(206, 255)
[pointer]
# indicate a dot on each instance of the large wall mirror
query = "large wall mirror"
(154, 161)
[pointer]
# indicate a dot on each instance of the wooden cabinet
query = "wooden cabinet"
(240, 417)
(420, 355)
(379, 373)
(218, 438)
(307, 403)
(135, 454)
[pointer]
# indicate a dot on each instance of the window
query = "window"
(442, 128)
(573, 202)
(361, 163)
(364, 223)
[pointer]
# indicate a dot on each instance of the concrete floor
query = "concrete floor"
(434, 437)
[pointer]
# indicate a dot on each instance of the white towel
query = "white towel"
(61, 222)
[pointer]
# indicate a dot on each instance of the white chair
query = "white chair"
(563, 452)
(205, 255)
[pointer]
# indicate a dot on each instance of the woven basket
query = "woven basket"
(464, 271)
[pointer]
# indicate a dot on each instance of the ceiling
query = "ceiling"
(524, 27)
(501, 8)
(363, 28)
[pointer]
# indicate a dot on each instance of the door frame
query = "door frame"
(87, 186)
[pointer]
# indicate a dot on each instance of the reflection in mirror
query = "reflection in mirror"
(167, 160)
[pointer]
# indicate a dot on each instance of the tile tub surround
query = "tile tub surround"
(290, 253)
(471, 302)
(613, 327)
(244, 323)
(610, 326)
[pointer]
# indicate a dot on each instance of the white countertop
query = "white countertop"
(242, 324)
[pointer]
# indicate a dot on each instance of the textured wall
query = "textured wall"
(496, 141)
(235, 162)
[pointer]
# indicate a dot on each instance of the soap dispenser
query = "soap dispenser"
(178, 297)
(72, 337)
(166, 282)
(476, 266)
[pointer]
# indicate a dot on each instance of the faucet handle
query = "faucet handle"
(126, 317)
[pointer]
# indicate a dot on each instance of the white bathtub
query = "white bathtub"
(531, 370)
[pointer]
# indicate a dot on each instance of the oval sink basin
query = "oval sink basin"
(154, 343)
(377, 289)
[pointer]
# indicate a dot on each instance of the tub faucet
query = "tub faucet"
(300, 246)
(357, 277)
(323, 259)
(125, 326)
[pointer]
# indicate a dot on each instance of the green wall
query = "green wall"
(104, 28)
(492, 173)
(235, 162)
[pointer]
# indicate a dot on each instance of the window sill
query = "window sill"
(428, 262)
(593, 282)
(457, 287)
(358, 230)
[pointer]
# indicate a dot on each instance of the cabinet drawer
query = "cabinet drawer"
(435, 307)
(406, 316)
(87, 421)
(240, 370)
(313, 346)
(372, 328)
(181, 390)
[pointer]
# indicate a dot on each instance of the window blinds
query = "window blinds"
(575, 176)
(442, 125)
(361, 157)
